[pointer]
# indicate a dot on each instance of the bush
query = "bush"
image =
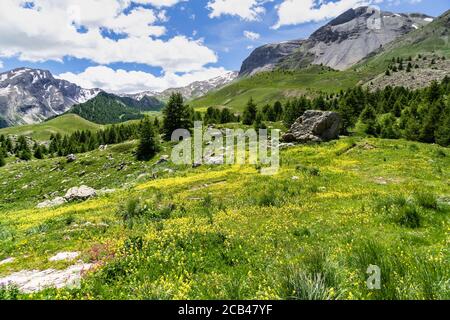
(426, 200)
(131, 210)
(409, 217)
(312, 279)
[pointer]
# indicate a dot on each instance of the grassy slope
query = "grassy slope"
(232, 232)
(65, 124)
(278, 85)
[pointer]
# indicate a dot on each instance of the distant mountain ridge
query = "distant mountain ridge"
(191, 91)
(107, 108)
(29, 96)
(340, 44)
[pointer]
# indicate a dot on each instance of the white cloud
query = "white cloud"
(292, 12)
(245, 9)
(159, 3)
(122, 81)
(48, 31)
(1, 64)
(251, 35)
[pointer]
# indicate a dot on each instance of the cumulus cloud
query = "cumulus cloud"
(291, 12)
(122, 81)
(251, 35)
(249, 10)
(42, 30)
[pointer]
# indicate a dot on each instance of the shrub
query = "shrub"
(131, 210)
(426, 200)
(409, 217)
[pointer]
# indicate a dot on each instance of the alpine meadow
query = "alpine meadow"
(135, 164)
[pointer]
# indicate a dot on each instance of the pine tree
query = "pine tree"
(278, 109)
(2, 158)
(250, 112)
(38, 152)
(149, 144)
(442, 133)
(176, 116)
(367, 121)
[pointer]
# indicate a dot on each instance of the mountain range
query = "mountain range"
(353, 49)
(340, 44)
(30, 96)
(191, 91)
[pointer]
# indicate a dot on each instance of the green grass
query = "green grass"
(269, 87)
(229, 233)
(65, 124)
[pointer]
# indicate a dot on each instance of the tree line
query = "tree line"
(393, 112)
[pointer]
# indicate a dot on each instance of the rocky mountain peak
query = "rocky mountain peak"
(31, 95)
(339, 44)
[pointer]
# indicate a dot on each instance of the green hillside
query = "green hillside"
(228, 232)
(65, 124)
(281, 85)
(106, 109)
(267, 87)
(433, 38)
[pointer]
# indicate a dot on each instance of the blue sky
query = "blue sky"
(131, 46)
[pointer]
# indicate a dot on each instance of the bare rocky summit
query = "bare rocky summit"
(29, 96)
(340, 44)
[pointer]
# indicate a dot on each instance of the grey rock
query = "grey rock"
(71, 158)
(80, 193)
(314, 126)
(51, 203)
(163, 159)
(340, 44)
(29, 96)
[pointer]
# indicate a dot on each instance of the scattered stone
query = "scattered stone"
(104, 191)
(295, 178)
(103, 147)
(196, 165)
(368, 146)
(35, 280)
(6, 261)
(286, 145)
(163, 159)
(122, 166)
(65, 256)
(51, 203)
(214, 160)
(314, 126)
(71, 158)
(80, 193)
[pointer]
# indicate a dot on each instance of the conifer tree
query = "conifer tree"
(250, 112)
(176, 116)
(149, 144)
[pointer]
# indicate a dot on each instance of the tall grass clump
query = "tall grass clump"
(314, 278)
(426, 200)
(400, 210)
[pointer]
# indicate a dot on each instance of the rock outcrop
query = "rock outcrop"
(80, 193)
(340, 44)
(314, 126)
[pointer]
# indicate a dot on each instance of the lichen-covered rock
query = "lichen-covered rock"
(71, 158)
(315, 126)
(80, 193)
(52, 203)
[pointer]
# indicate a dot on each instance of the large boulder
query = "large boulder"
(80, 193)
(315, 126)
(51, 203)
